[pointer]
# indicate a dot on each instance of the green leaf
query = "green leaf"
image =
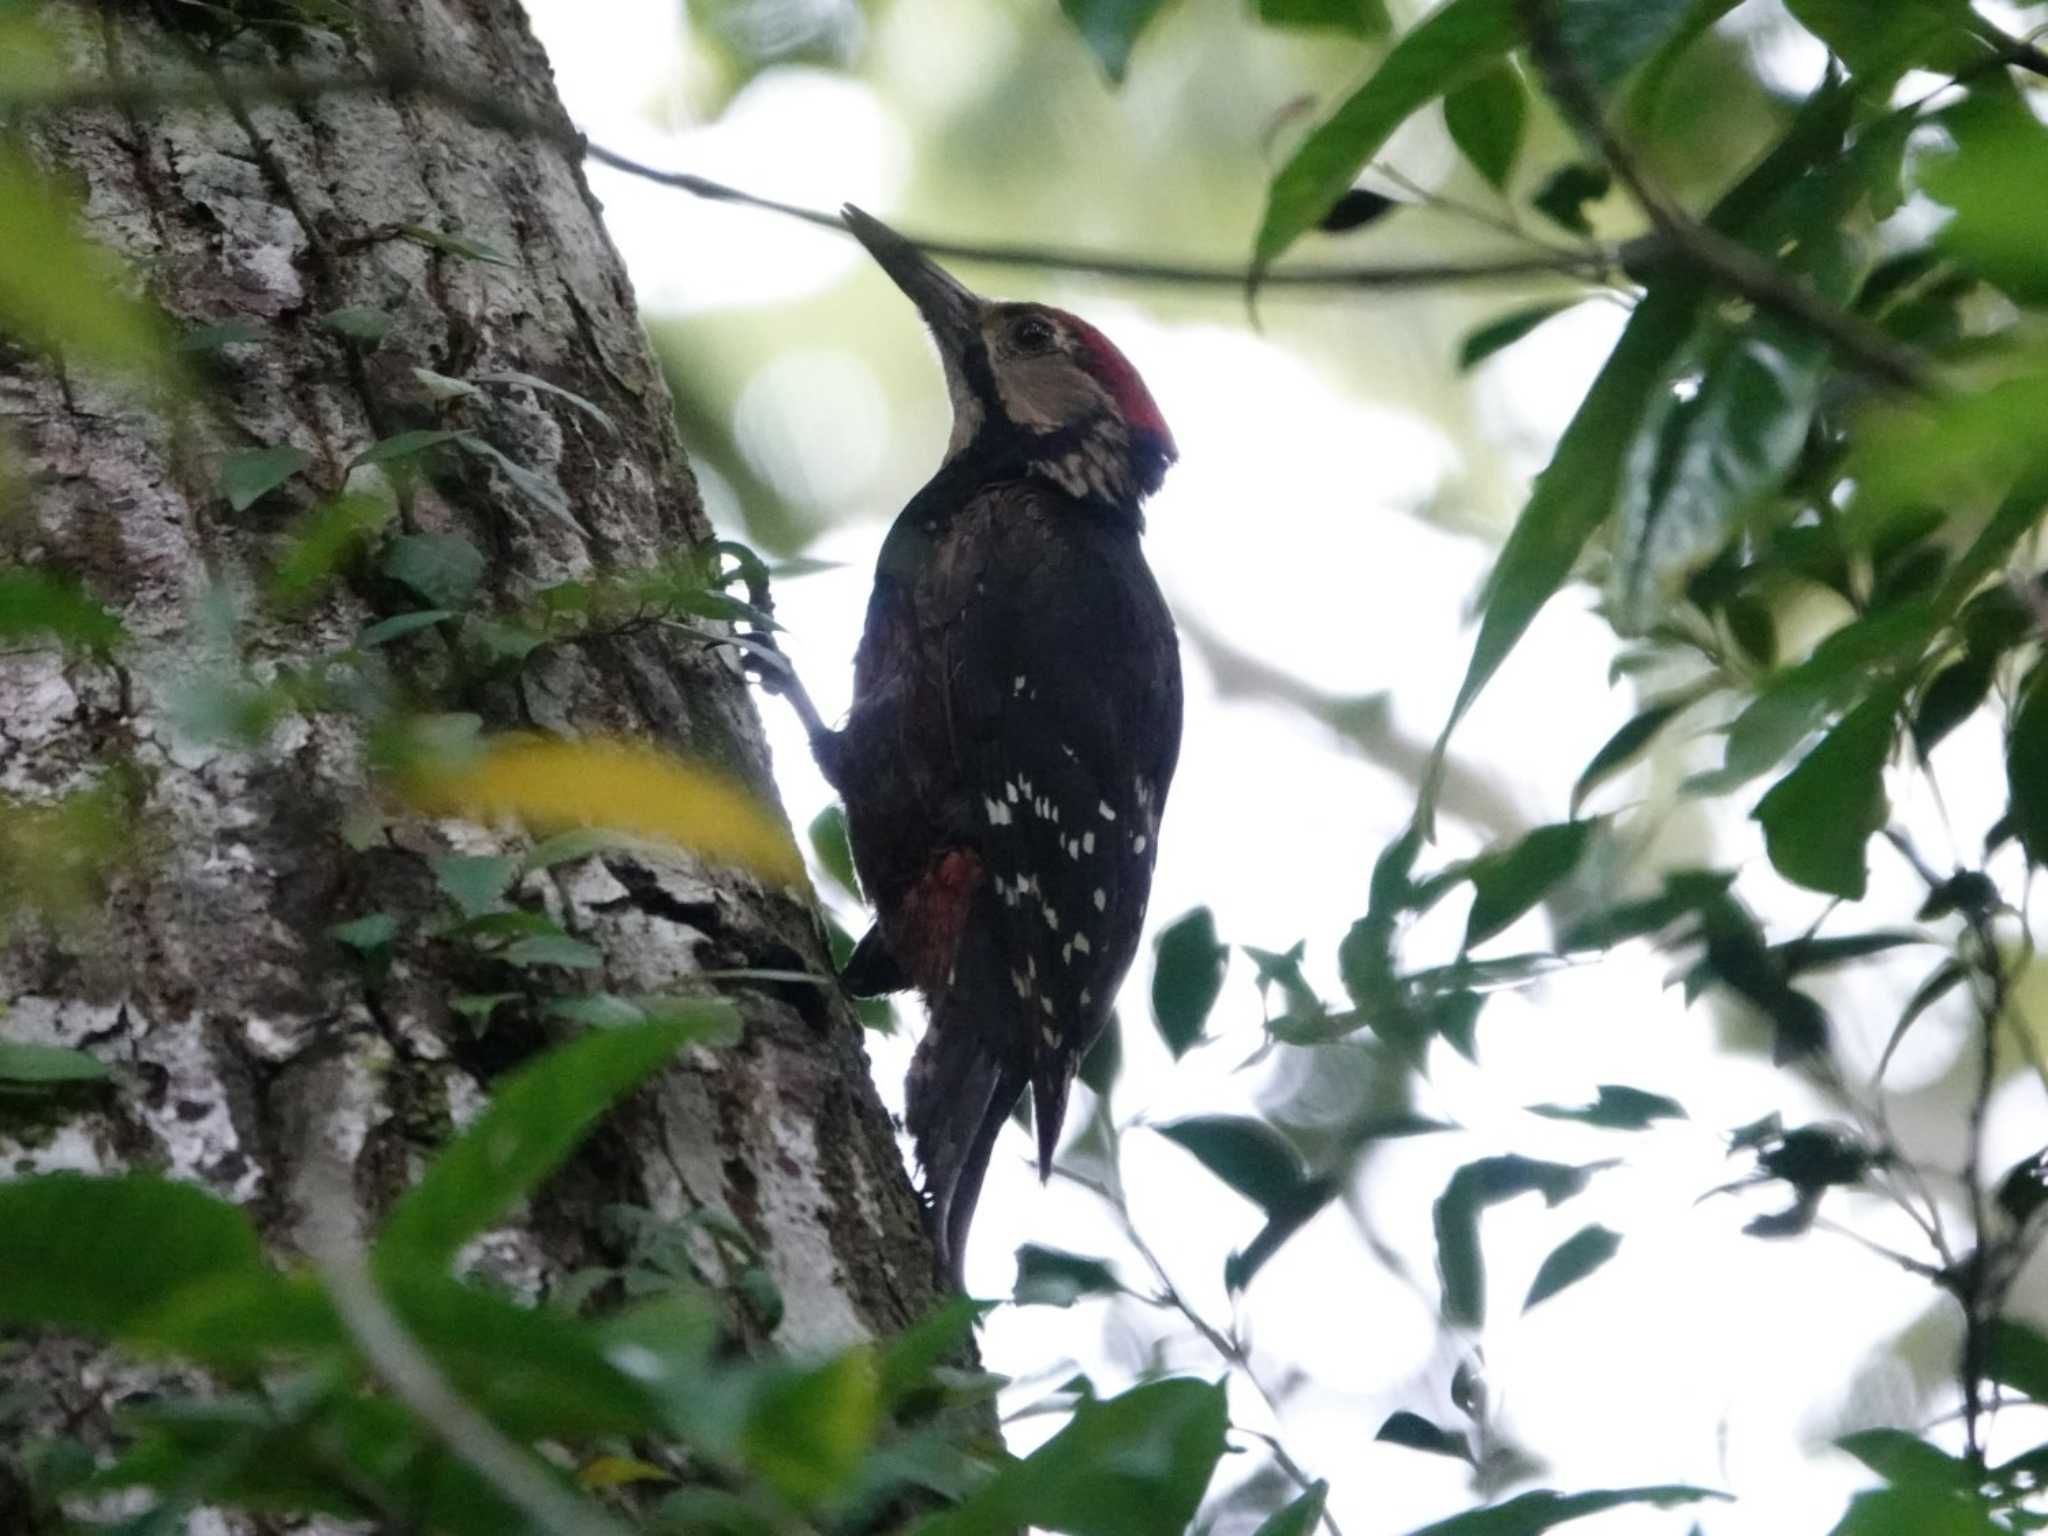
(1881, 39)
(1617, 1108)
(1285, 1219)
(1488, 117)
(321, 541)
(536, 487)
(443, 568)
(36, 603)
(553, 949)
(536, 1117)
(833, 852)
(542, 386)
(1686, 892)
(2018, 1358)
(475, 882)
(1798, 956)
(1628, 743)
(1187, 977)
(1909, 1461)
(227, 333)
(2023, 1189)
(1110, 28)
(1507, 884)
(1565, 193)
(1706, 457)
(401, 445)
(1299, 1518)
(1576, 493)
(598, 1010)
(1456, 41)
(1052, 1277)
(1962, 447)
(358, 322)
(60, 292)
(21, 1062)
(365, 934)
(806, 1431)
(1818, 819)
(455, 245)
(1132, 1465)
(1358, 18)
(1916, 1512)
(1796, 701)
(398, 625)
(1472, 1189)
(246, 478)
(1953, 695)
(1607, 39)
(1999, 145)
(1945, 978)
(1530, 1514)
(1419, 1434)
(477, 1007)
(2026, 765)
(1571, 1261)
(1499, 335)
(95, 1255)
(491, 645)
(1248, 1155)
(1355, 209)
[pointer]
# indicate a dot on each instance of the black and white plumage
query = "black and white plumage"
(1015, 725)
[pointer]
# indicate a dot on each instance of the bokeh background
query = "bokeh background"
(1342, 486)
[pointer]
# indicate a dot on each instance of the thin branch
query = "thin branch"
(1227, 1346)
(1909, 1264)
(1975, 1290)
(399, 77)
(415, 1381)
(1727, 261)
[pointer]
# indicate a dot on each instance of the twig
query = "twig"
(1727, 261)
(415, 1381)
(1228, 1347)
(1909, 1264)
(1974, 1281)
(399, 77)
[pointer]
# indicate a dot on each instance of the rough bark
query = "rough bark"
(249, 1054)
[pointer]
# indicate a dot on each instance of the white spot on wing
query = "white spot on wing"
(1138, 843)
(1108, 811)
(1081, 943)
(1087, 842)
(1101, 899)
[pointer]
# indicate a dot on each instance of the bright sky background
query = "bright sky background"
(1697, 1355)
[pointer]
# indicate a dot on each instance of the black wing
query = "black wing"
(1065, 700)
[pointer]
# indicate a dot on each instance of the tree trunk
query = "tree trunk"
(252, 1052)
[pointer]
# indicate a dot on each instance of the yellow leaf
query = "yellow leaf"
(634, 789)
(616, 1471)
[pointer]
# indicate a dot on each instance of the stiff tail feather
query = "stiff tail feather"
(964, 1080)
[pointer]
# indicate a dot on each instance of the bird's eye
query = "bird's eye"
(1032, 334)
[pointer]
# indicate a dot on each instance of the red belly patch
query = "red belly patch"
(933, 915)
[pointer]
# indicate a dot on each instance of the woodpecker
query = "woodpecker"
(1016, 719)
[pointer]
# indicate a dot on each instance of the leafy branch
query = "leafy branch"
(400, 77)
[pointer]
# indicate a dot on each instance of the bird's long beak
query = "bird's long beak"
(951, 311)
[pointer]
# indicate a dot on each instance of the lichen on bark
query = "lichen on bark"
(250, 1051)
